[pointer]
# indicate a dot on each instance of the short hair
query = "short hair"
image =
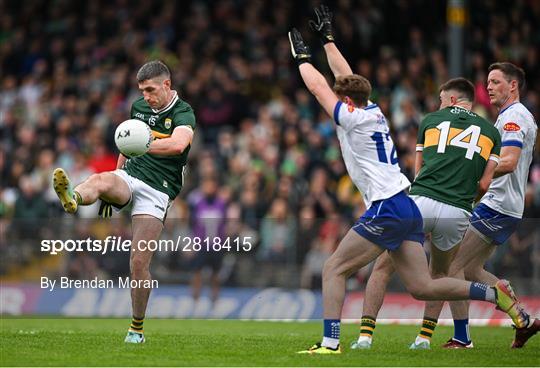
(510, 72)
(153, 69)
(461, 85)
(354, 86)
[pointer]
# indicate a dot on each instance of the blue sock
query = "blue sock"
(461, 330)
(478, 291)
(331, 328)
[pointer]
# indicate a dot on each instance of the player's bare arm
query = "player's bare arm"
(179, 140)
(418, 161)
(314, 80)
(336, 61)
(121, 160)
(318, 86)
(509, 160)
(487, 177)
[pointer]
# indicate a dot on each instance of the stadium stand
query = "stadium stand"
(68, 78)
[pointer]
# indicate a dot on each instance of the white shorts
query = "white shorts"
(446, 223)
(145, 200)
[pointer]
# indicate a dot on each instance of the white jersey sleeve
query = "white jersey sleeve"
(368, 151)
(507, 193)
(514, 127)
(348, 117)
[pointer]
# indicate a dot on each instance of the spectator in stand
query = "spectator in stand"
(67, 71)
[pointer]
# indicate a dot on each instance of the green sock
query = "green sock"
(77, 197)
(428, 326)
(367, 326)
(136, 325)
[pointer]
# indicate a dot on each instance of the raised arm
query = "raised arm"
(336, 61)
(323, 27)
(314, 80)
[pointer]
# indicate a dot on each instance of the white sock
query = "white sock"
(420, 339)
(363, 338)
(490, 295)
(329, 342)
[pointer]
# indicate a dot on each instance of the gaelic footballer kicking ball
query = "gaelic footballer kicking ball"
(133, 138)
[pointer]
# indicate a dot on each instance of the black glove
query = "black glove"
(299, 49)
(105, 210)
(323, 25)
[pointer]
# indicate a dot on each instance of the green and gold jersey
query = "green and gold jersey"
(163, 173)
(456, 145)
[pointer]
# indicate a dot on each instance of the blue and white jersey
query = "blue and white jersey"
(518, 128)
(368, 151)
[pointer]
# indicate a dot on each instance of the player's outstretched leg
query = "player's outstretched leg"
(353, 253)
(62, 186)
(107, 186)
(411, 264)
(373, 299)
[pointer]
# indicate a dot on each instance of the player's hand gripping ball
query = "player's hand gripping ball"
(133, 138)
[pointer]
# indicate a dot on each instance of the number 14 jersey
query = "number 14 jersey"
(456, 145)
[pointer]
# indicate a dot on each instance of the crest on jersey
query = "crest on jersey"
(168, 123)
(511, 127)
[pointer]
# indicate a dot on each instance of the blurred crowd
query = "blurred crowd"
(264, 153)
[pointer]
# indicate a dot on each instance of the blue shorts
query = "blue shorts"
(494, 226)
(389, 222)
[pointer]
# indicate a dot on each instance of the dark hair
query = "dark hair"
(153, 69)
(461, 85)
(354, 86)
(510, 72)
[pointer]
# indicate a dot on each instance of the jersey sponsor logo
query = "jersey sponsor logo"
(168, 123)
(511, 127)
(139, 115)
(457, 110)
(165, 184)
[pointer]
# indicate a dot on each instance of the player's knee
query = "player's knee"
(107, 182)
(383, 270)
(332, 268)
(94, 179)
(101, 182)
(328, 268)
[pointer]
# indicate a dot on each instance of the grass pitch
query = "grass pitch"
(99, 342)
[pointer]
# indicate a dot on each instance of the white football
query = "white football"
(133, 138)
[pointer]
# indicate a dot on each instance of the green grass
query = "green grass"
(99, 342)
